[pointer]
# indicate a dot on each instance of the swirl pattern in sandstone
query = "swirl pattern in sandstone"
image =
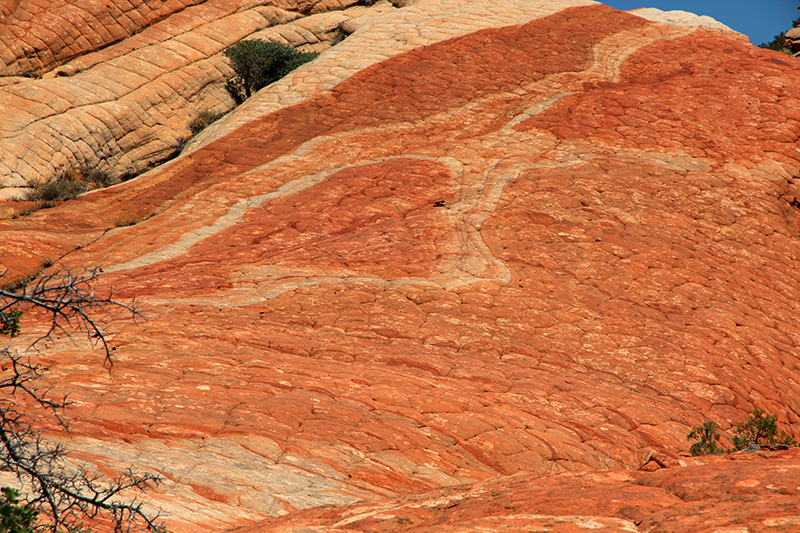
(525, 252)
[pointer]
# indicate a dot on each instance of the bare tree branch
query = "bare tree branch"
(70, 301)
(64, 494)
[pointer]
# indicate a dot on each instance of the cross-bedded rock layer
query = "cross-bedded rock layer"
(512, 251)
(708, 495)
(37, 36)
(127, 101)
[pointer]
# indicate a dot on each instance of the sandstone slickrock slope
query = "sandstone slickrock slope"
(126, 104)
(699, 497)
(476, 268)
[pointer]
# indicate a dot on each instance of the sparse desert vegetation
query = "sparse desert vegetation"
(760, 429)
(258, 63)
(69, 184)
(203, 119)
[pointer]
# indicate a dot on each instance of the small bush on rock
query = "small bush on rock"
(706, 437)
(760, 429)
(9, 322)
(68, 185)
(776, 44)
(202, 121)
(95, 177)
(258, 63)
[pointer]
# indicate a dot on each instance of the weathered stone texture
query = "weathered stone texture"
(714, 494)
(127, 107)
(526, 258)
(36, 37)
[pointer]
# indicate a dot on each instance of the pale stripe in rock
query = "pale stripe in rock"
(477, 193)
(378, 38)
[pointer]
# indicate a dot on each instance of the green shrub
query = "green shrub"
(776, 44)
(9, 322)
(761, 429)
(14, 516)
(706, 437)
(777, 41)
(66, 186)
(258, 63)
(202, 121)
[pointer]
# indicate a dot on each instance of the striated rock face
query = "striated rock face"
(475, 265)
(707, 495)
(125, 107)
(36, 37)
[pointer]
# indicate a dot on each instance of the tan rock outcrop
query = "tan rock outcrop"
(792, 40)
(36, 37)
(127, 107)
(488, 275)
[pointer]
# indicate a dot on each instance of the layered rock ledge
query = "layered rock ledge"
(126, 101)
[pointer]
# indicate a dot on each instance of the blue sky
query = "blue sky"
(760, 20)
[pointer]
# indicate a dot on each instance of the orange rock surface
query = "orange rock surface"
(714, 494)
(477, 285)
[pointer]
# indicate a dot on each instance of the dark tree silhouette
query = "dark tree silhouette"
(258, 63)
(59, 494)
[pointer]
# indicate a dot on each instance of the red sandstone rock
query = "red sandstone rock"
(519, 264)
(713, 494)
